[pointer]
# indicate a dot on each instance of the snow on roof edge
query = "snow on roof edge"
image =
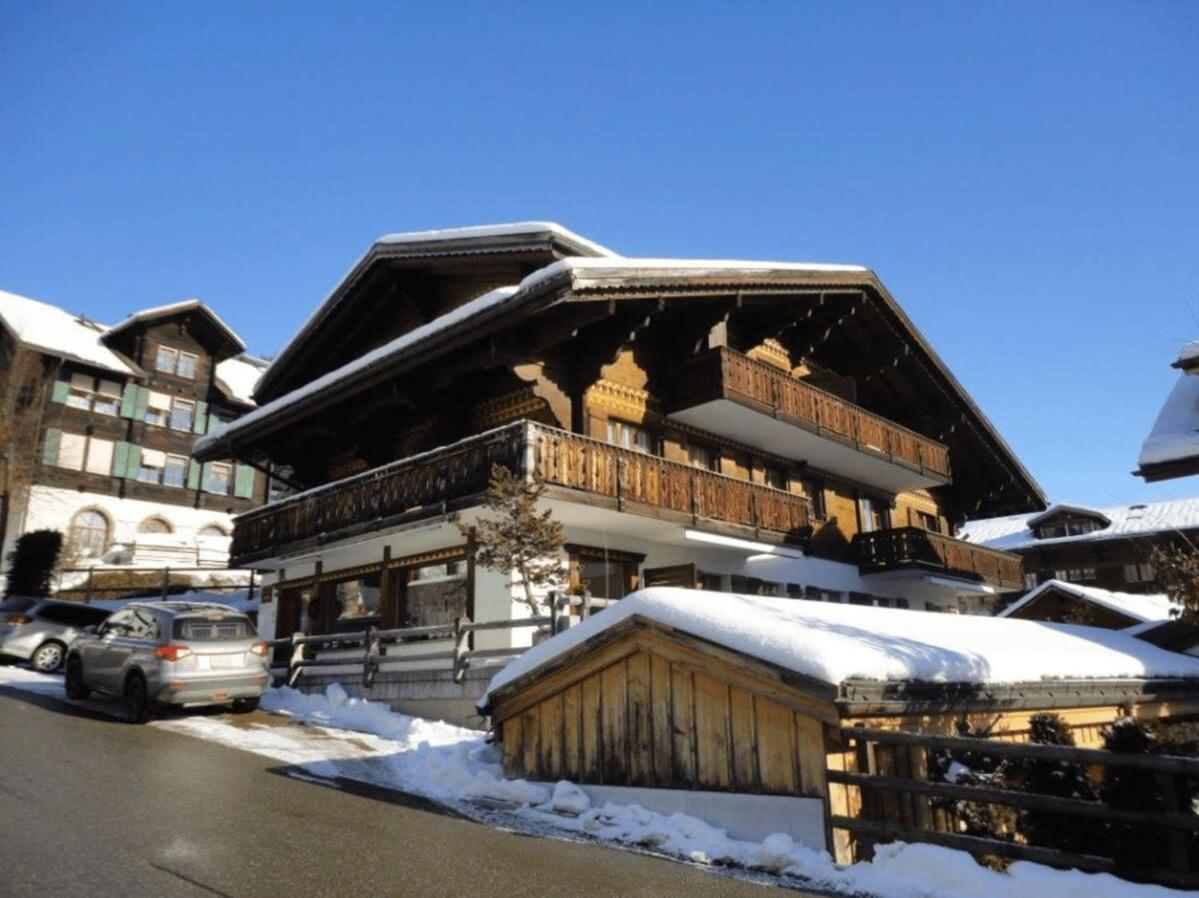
(1145, 608)
(171, 308)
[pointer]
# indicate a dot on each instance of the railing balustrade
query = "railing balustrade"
(898, 547)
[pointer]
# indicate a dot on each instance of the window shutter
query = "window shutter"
(243, 482)
(134, 462)
(213, 422)
(50, 450)
(193, 474)
(61, 390)
(204, 469)
(141, 404)
(120, 459)
(201, 421)
(128, 400)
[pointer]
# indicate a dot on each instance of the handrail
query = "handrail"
(898, 546)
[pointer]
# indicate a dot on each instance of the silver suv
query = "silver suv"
(170, 653)
(39, 630)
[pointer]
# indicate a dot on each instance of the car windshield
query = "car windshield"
(213, 628)
(16, 605)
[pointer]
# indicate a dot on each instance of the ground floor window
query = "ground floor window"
(606, 573)
(89, 534)
(433, 594)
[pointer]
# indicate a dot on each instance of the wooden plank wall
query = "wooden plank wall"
(648, 721)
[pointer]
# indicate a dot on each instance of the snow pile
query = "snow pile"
(1175, 433)
(836, 643)
(237, 377)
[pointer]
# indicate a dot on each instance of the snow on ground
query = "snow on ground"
(332, 735)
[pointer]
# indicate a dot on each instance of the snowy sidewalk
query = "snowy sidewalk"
(331, 736)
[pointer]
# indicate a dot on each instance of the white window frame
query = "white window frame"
(212, 469)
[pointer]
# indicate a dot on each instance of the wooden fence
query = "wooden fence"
(896, 800)
(86, 584)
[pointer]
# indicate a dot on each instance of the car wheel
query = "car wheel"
(49, 657)
(244, 705)
(74, 680)
(138, 707)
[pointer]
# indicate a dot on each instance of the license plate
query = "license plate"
(220, 696)
(217, 662)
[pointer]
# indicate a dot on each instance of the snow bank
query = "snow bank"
(836, 643)
(455, 765)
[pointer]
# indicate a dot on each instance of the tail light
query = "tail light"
(259, 648)
(18, 619)
(173, 652)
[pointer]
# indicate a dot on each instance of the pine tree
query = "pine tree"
(31, 562)
(1176, 569)
(519, 539)
(1062, 779)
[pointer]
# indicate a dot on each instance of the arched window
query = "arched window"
(155, 525)
(212, 531)
(89, 533)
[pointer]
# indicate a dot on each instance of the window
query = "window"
(815, 493)
(1075, 574)
(434, 593)
(630, 436)
(72, 448)
(158, 408)
(88, 536)
(1139, 573)
(94, 394)
(753, 586)
(356, 602)
(218, 478)
(928, 521)
(155, 525)
(176, 361)
(774, 476)
(183, 414)
(99, 456)
(174, 473)
(703, 457)
(120, 624)
(1030, 580)
(711, 582)
(212, 531)
(80, 453)
(874, 514)
(607, 574)
(1068, 527)
(152, 463)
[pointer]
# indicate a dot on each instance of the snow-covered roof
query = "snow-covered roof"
(1014, 532)
(238, 376)
(183, 305)
(510, 229)
(1064, 508)
(1175, 433)
(1189, 353)
(839, 643)
(491, 300)
(1142, 608)
(56, 331)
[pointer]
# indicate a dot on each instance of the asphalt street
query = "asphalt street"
(95, 807)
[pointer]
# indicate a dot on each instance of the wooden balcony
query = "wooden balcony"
(901, 548)
(725, 392)
(575, 468)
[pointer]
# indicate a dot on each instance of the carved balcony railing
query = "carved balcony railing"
(454, 476)
(723, 373)
(911, 547)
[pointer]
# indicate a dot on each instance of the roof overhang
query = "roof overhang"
(183, 307)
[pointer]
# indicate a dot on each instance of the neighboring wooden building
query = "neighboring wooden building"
(1171, 449)
(748, 695)
(1108, 548)
(774, 428)
(1056, 601)
(102, 422)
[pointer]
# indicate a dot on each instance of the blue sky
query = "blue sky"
(1021, 175)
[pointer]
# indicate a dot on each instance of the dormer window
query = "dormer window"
(175, 361)
(1061, 522)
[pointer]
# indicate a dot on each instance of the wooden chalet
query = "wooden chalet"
(771, 428)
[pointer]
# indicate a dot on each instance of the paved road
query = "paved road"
(93, 807)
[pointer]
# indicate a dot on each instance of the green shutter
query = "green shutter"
(61, 390)
(142, 403)
(120, 458)
(50, 450)
(193, 474)
(201, 422)
(204, 471)
(128, 400)
(243, 482)
(134, 462)
(213, 422)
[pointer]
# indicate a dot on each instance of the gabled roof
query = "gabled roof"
(176, 308)
(1014, 532)
(1141, 608)
(475, 240)
(839, 644)
(57, 332)
(1174, 439)
(1078, 510)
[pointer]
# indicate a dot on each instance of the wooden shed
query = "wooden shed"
(674, 689)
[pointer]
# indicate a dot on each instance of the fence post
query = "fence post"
(585, 611)
(1176, 839)
(370, 663)
(866, 763)
(555, 623)
(166, 582)
(461, 640)
(296, 664)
